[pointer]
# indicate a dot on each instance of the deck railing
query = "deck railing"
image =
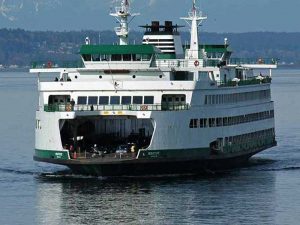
(265, 80)
(52, 64)
(253, 61)
(157, 107)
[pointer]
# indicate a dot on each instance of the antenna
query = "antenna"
(122, 13)
(194, 20)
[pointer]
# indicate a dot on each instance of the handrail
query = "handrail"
(157, 107)
(61, 64)
(253, 61)
(265, 80)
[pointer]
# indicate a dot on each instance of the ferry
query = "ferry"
(161, 107)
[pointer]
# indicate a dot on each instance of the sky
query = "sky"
(223, 15)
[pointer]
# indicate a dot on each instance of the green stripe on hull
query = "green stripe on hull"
(179, 153)
(47, 154)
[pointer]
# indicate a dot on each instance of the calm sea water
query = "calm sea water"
(265, 192)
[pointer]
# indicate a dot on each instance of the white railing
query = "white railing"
(176, 63)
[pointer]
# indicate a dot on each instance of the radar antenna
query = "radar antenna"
(122, 14)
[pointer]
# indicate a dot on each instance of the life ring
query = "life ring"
(49, 64)
(68, 107)
(196, 63)
(144, 107)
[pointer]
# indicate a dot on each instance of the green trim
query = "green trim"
(118, 49)
(207, 152)
(252, 144)
(63, 155)
(176, 153)
(166, 56)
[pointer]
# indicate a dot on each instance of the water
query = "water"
(265, 192)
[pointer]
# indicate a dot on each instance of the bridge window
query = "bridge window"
(105, 57)
(96, 57)
(138, 57)
(87, 57)
(116, 57)
(127, 57)
(146, 57)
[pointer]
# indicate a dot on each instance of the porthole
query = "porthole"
(100, 77)
(160, 76)
(76, 77)
(133, 76)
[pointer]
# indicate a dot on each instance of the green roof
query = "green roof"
(118, 49)
(215, 48)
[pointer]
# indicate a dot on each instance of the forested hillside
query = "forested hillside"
(19, 47)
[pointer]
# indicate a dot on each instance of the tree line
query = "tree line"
(20, 47)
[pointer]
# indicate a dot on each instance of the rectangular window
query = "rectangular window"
(116, 57)
(146, 57)
(137, 100)
(103, 100)
(138, 57)
(225, 121)
(202, 123)
(194, 123)
(191, 124)
(149, 100)
(126, 100)
(212, 122)
(127, 57)
(96, 57)
(81, 100)
(93, 100)
(115, 100)
(219, 122)
(213, 99)
(87, 57)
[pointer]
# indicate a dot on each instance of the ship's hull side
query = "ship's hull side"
(159, 166)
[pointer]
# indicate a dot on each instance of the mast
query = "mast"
(194, 20)
(122, 14)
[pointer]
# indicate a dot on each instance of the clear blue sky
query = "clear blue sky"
(223, 15)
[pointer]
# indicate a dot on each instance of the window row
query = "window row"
(115, 100)
(229, 121)
(240, 139)
(158, 40)
(237, 97)
(117, 57)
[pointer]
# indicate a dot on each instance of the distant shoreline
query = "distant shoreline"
(26, 69)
